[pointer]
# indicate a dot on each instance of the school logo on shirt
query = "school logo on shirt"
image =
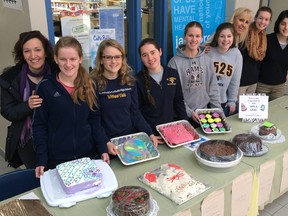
(220, 81)
(171, 81)
(56, 94)
(194, 74)
(116, 94)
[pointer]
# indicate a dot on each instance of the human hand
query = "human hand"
(195, 117)
(105, 158)
(232, 109)
(207, 48)
(34, 101)
(112, 149)
(39, 171)
(156, 140)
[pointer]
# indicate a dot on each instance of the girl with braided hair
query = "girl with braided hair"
(159, 88)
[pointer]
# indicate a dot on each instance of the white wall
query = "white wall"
(277, 6)
(232, 5)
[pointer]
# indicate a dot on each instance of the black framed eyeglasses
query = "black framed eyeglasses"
(110, 58)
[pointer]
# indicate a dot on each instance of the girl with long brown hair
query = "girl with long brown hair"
(67, 126)
(117, 94)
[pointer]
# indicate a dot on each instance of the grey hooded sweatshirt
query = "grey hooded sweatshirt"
(198, 80)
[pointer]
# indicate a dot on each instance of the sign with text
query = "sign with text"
(113, 18)
(253, 108)
(96, 37)
(207, 12)
(77, 24)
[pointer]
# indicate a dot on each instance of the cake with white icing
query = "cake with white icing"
(173, 182)
(79, 174)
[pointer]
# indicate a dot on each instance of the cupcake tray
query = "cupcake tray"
(212, 127)
(119, 143)
(187, 126)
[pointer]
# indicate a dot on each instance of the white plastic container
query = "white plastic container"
(56, 196)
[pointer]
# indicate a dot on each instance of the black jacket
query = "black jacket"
(274, 66)
(14, 110)
(168, 97)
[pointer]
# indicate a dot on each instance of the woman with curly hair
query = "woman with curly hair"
(67, 126)
(117, 94)
(33, 55)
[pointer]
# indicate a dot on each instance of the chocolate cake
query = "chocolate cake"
(218, 150)
(248, 143)
(130, 201)
(265, 130)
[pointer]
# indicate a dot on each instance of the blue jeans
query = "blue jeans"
(226, 109)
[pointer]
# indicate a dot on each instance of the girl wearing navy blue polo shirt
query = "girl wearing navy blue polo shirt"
(117, 94)
(159, 88)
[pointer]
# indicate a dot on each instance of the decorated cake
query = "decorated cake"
(130, 201)
(267, 128)
(212, 122)
(134, 150)
(177, 134)
(248, 143)
(79, 174)
(218, 150)
(173, 182)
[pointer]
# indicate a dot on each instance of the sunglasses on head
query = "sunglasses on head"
(25, 34)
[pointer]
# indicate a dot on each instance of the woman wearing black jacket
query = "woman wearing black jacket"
(33, 56)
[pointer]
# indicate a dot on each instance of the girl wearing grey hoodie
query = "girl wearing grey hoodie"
(196, 71)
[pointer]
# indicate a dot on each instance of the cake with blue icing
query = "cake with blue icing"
(134, 150)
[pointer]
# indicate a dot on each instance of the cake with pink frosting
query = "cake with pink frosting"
(79, 174)
(177, 134)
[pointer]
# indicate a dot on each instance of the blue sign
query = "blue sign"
(210, 13)
(113, 18)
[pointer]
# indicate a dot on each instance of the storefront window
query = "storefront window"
(147, 18)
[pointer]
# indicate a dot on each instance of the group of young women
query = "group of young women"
(73, 114)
